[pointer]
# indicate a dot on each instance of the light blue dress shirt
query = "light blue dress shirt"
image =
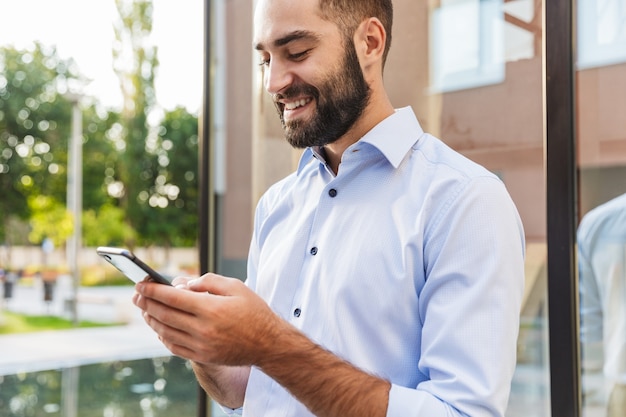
(408, 264)
(602, 270)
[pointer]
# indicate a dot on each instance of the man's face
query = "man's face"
(311, 71)
(340, 98)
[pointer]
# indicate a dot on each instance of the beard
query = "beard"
(340, 101)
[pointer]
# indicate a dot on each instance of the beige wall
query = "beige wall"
(237, 217)
(500, 126)
(602, 135)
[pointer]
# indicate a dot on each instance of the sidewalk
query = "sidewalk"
(135, 340)
(131, 339)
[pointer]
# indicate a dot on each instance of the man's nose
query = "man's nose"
(277, 77)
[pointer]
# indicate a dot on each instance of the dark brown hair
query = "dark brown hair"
(349, 14)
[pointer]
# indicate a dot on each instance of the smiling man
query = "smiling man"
(326, 94)
(385, 275)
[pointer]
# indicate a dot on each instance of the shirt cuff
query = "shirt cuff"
(411, 402)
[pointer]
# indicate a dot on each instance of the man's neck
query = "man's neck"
(372, 115)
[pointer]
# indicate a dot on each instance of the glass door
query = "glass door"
(483, 97)
(601, 132)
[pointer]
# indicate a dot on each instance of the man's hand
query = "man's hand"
(224, 327)
(218, 320)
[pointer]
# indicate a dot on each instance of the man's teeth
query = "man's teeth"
(296, 104)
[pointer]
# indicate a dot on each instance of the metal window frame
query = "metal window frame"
(206, 204)
(562, 196)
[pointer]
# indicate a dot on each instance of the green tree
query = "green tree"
(35, 122)
(49, 219)
(101, 157)
(34, 127)
(106, 227)
(135, 63)
(174, 195)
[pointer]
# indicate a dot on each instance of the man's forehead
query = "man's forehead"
(274, 19)
(269, 5)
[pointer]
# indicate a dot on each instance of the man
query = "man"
(602, 273)
(384, 276)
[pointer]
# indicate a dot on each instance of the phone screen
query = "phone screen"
(130, 265)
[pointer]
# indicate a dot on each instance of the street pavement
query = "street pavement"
(132, 339)
(129, 339)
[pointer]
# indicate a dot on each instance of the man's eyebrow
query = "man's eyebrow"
(291, 37)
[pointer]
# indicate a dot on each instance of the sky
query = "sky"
(82, 30)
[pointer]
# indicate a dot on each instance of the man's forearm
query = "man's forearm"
(226, 385)
(326, 384)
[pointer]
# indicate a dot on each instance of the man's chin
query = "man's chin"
(297, 138)
(296, 141)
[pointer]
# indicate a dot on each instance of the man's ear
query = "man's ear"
(370, 40)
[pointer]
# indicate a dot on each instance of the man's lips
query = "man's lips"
(293, 109)
(293, 105)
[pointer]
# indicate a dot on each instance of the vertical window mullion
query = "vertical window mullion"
(561, 209)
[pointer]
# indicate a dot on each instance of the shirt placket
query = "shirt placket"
(315, 250)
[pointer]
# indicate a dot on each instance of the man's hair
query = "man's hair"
(349, 14)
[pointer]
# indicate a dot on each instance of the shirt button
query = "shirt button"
(297, 312)
(313, 251)
(332, 192)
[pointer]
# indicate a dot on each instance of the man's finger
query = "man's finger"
(214, 284)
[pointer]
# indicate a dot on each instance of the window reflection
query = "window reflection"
(601, 143)
(601, 32)
(472, 40)
(486, 65)
(522, 33)
(467, 44)
(86, 37)
(148, 387)
(602, 270)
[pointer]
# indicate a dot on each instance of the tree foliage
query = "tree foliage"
(106, 227)
(174, 195)
(135, 63)
(49, 220)
(34, 127)
(101, 157)
(139, 180)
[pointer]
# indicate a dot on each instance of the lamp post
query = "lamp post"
(75, 199)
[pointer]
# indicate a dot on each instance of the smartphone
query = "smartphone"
(131, 266)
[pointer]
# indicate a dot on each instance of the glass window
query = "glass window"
(601, 32)
(472, 71)
(160, 386)
(123, 80)
(601, 78)
(467, 47)
(499, 124)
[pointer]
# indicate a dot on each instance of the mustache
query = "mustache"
(296, 90)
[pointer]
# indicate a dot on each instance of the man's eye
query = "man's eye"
(299, 55)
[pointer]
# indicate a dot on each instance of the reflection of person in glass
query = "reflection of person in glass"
(385, 275)
(602, 268)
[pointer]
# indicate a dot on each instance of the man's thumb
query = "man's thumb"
(211, 283)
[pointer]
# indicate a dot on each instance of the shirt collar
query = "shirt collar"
(393, 137)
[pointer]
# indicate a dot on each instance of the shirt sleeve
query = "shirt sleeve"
(590, 302)
(469, 305)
